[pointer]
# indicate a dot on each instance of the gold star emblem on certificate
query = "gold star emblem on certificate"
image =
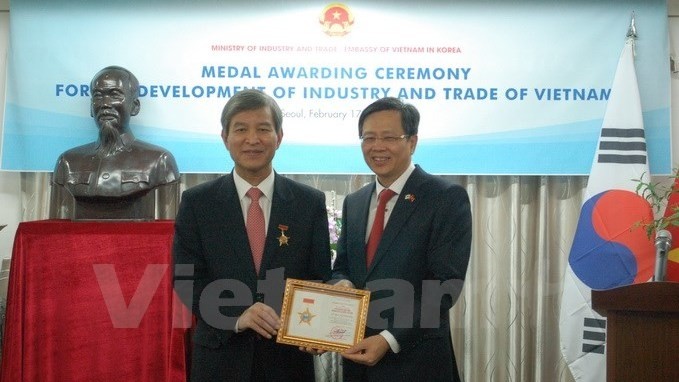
(282, 239)
(306, 316)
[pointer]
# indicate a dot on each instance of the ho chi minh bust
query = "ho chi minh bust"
(112, 177)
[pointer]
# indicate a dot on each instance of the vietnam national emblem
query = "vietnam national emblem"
(336, 19)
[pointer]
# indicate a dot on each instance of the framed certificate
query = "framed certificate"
(322, 316)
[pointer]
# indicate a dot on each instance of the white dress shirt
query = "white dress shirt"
(266, 186)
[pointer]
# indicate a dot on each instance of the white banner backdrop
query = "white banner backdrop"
(503, 88)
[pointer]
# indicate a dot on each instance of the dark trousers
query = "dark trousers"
(431, 360)
(251, 359)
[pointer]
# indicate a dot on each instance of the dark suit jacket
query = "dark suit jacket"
(210, 235)
(427, 237)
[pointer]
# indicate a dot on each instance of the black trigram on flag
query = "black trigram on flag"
(594, 336)
(622, 146)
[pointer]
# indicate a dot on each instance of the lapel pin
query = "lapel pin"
(410, 197)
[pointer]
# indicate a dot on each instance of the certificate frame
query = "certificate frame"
(333, 319)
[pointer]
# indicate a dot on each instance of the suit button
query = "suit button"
(259, 297)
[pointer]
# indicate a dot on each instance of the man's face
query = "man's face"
(252, 142)
(112, 103)
(388, 160)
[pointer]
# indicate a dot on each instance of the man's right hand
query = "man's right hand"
(261, 318)
(345, 283)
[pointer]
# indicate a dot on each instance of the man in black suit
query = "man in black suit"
(425, 246)
(232, 281)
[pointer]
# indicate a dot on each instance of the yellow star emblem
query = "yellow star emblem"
(306, 316)
(282, 239)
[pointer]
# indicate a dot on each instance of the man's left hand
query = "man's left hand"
(369, 351)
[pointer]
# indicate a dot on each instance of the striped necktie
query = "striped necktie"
(255, 227)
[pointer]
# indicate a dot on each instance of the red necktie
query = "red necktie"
(255, 227)
(378, 226)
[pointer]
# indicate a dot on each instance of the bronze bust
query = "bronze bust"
(113, 177)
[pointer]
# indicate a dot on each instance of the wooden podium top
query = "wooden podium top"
(654, 296)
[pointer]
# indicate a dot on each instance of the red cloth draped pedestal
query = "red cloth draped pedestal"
(93, 301)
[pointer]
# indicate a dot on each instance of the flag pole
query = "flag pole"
(632, 31)
(632, 34)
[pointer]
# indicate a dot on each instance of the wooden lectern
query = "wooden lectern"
(642, 331)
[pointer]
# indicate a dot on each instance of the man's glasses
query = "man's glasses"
(370, 140)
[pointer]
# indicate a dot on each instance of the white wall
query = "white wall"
(673, 12)
(674, 52)
(10, 183)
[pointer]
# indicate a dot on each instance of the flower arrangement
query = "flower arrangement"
(335, 228)
(664, 200)
(658, 196)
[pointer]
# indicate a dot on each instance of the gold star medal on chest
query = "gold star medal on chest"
(282, 239)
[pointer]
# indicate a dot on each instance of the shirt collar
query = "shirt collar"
(242, 186)
(398, 184)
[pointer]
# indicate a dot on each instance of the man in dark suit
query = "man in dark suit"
(234, 281)
(407, 238)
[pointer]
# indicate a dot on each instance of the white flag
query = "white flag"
(607, 250)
